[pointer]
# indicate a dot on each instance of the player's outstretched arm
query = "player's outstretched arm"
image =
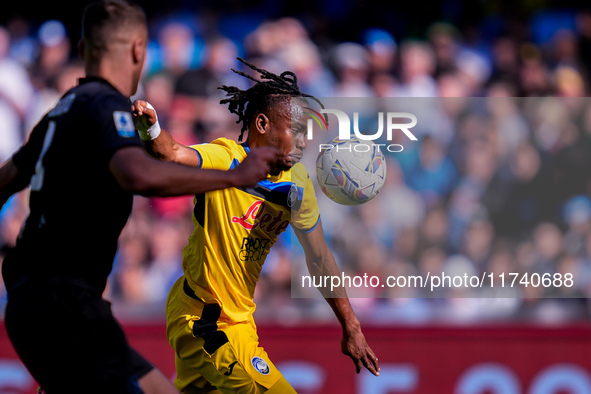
(139, 173)
(320, 261)
(158, 142)
(11, 181)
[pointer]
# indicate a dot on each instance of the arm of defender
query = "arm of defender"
(11, 181)
(320, 261)
(139, 173)
(163, 146)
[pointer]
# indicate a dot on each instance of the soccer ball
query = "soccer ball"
(350, 172)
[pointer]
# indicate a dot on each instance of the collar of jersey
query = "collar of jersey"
(89, 79)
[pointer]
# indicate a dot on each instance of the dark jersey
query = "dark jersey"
(77, 208)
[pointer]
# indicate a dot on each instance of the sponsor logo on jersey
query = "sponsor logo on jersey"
(260, 365)
(124, 124)
(256, 217)
(253, 249)
(230, 368)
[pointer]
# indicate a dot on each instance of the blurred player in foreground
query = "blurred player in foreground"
(209, 310)
(84, 162)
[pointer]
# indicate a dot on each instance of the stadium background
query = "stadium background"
(359, 49)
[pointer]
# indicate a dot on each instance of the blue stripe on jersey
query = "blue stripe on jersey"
(308, 231)
(276, 186)
(234, 164)
(313, 227)
(198, 155)
(300, 193)
(276, 192)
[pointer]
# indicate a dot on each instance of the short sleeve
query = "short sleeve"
(216, 155)
(117, 128)
(26, 157)
(305, 214)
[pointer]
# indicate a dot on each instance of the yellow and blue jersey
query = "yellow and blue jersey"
(235, 228)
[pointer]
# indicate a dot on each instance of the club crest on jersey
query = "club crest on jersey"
(295, 197)
(124, 124)
(260, 365)
(256, 217)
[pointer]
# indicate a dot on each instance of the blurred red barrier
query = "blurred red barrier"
(497, 359)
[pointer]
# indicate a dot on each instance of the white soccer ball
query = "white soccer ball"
(350, 172)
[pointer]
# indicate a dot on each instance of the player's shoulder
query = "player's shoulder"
(299, 173)
(221, 153)
(99, 96)
(234, 148)
(226, 142)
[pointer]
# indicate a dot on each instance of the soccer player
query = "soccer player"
(84, 162)
(209, 310)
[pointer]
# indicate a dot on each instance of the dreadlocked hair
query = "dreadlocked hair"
(245, 103)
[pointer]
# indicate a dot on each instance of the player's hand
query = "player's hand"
(259, 163)
(144, 116)
(355, 346)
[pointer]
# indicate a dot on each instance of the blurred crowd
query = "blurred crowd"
(493, 186)
(491, 190)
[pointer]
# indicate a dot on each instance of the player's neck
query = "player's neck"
(253, 142)
(116, 76)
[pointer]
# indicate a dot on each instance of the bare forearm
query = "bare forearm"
(162, 147)
(337, 297)
(140, 174)
(170, 179)
(165, 148)
(344, 313)
(321, 261)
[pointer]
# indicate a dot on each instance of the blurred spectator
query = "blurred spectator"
(15, 97)
(534, 75)
(478, 243)
(577, 216)
(512, 202)
(564, 46)
(166, 241)
(46, 97)
(583, 23)
(433, 175)
(505, 60)
(127, 282)
(351, 62)
(54, 53)
(396, 208)
(23, 47)
(176, 49)
(382, 50)
(569, 83)
(196, 94)
(444, 38)
(417, 61)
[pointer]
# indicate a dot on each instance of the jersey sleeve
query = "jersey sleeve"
(305, 213)
(26, 157)
(216, 155)
(117, 128)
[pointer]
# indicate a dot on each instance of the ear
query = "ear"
(262, 123)
(138, 51)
